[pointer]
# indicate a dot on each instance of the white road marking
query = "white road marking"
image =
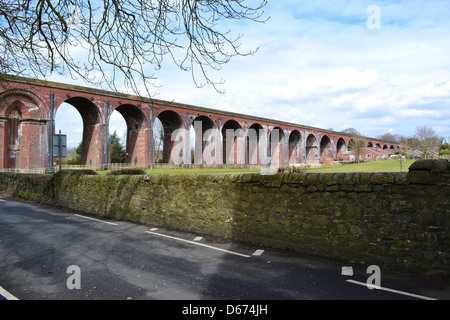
(393, 290)
(258, 252)
(154, 229)
(199, 244)
(347, 271)
(114, 224)
(7, 295)
(198, 239)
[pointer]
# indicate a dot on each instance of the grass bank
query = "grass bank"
(375, 166)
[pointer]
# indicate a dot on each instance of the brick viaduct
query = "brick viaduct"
(28, 108)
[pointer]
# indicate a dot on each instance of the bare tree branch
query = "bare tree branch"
(121, 42)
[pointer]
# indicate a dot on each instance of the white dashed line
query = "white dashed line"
(199, 244)
(113, 224)
(198, 238)
(347, 271)
(7, 295)
(258, 252)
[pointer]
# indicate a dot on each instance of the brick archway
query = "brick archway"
(22, 124)
(137, 136)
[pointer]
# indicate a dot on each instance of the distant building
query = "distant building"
(367, 154)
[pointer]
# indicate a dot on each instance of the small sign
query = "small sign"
(60, 145)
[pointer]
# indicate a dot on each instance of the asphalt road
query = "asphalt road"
(49, 254)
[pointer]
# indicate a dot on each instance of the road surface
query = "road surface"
(50, 254)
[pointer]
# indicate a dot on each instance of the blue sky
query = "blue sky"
(319, 64)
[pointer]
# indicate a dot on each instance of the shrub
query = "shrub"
(127, 171)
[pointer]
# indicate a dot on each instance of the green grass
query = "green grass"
(376, 166)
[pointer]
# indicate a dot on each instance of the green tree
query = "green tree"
(118, 153)
(445, 149)
(77, 159)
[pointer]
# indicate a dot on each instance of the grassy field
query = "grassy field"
(376, 166)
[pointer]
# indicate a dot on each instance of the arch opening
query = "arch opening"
(170, 122)
(311, 149)
(295, 147)
(277, 142)
(206, 141)
(92, 148)
(135, 134)
(232, 141)
(326, 149)
(340, 149)
(256, 151)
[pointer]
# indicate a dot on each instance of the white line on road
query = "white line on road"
(199, 244)
(258, 252)
(7, 295)
(114, 224)
(347, 271)
(393, 290)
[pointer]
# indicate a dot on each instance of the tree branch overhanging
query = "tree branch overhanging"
(116, 43)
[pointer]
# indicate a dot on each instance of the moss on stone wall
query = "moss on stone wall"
(398, 221)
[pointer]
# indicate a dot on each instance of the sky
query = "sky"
(376, 66)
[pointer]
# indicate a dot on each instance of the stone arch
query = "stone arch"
(311, 149)
(30, 106)
(370, 145)
(256, 153)
(326, 149)
(277, 147)
(340, 149)
(24, 131)
(93, 139)
(137, 134)
(232, 138)
(206, 141)
(170, 121)
(294, 145)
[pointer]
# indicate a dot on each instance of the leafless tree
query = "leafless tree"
(121, 42)
(427, 139)
(357, 143)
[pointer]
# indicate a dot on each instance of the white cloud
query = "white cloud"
(318, 64)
